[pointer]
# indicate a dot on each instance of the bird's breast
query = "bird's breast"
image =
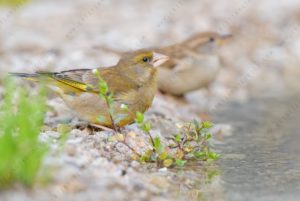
(139, 99)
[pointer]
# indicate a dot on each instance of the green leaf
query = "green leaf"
(199, 154)
(177, 138)
(180, 163)
(167, 162)
(147, 156)
(110, 99)
(163, 155)
(213, 155)
(139, 118)
(103, 87)
(207, 124)
(102, 96)
(208, 136)
(157, 145)
(147, 127)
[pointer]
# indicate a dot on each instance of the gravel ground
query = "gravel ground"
(89, 166)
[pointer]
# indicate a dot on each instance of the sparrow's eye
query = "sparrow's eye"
(146, 59)
(211, 39)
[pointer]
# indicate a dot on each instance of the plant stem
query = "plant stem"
(132, 149)
(115, 127)
(152, 141)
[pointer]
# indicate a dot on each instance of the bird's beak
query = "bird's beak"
(159, 59)
(223, 39)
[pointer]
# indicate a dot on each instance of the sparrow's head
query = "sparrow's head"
(218, 39)
(207, 42)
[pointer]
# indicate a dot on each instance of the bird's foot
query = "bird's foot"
(101, 127)
(83, 125)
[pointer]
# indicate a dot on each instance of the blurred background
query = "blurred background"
(261, 58)
(260, 68)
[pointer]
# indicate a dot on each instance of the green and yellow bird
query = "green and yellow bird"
(132, 81)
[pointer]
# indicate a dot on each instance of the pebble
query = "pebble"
(53, 134)
(74, 186)
(135, 164)
(71, 150)
(163, 169)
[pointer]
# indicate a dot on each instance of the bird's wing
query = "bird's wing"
(70, 78)
(116, 80)
(86, 80)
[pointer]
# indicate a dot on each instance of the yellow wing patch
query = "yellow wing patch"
(77, 85)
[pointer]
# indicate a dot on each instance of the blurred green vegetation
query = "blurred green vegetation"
(13, 3)
(21, 119)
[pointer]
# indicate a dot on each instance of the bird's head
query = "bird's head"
(143, 58)
(207, 42)
(141, 64)
(218, 39)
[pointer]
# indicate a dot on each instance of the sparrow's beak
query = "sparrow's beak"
(159, 59)
(223, 39)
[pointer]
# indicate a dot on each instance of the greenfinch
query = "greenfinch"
(194, 63)
(132, 82)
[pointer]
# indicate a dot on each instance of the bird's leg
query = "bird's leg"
(102, 127)
(79, 124)
(115, 127)
(83, 124)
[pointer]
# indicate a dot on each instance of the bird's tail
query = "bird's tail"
(28, 76)
(56, 80)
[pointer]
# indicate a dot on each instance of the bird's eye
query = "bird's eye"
(145, 59)
(211, 39)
